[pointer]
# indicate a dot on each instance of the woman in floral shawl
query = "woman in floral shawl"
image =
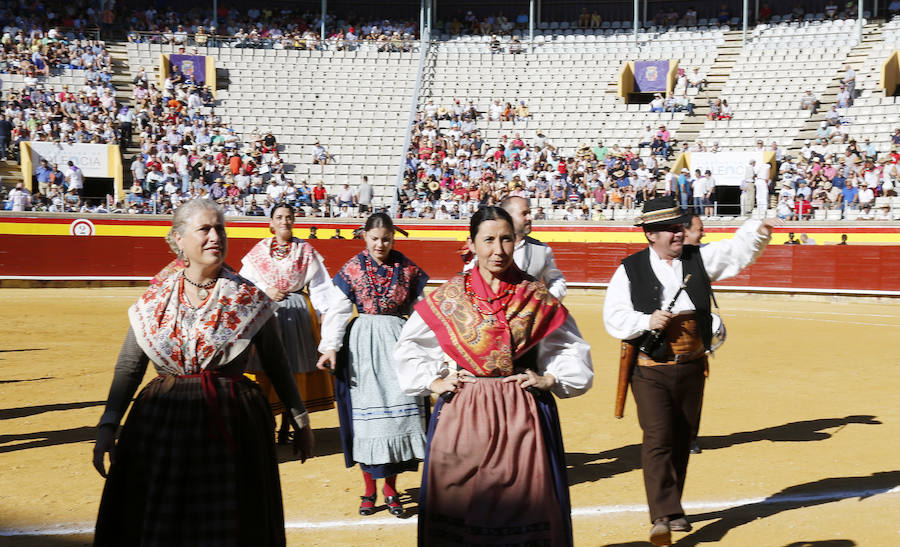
(293, 274)
(195, 462)
(494, 467)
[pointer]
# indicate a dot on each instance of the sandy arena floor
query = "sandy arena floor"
(801, 431)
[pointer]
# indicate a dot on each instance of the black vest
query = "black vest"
(646, 290)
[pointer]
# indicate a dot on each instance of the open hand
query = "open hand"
(106, 440)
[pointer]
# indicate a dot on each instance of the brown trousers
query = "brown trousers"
(668, 399)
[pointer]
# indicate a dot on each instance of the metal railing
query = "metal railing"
(314, 43)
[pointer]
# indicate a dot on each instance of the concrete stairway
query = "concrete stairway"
(726, 56)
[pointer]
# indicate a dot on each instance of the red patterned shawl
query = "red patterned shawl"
(484, 333)
(183, 340)
(289, 274)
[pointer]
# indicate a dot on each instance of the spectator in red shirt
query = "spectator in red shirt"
(802, 208)
(320, 195)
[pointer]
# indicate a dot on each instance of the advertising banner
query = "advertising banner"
(92, 159)
(727, 168)
(650, 76)
(192, 66)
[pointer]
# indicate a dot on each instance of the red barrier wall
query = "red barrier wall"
(862, 268)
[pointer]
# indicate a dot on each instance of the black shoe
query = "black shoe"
(364, 508)
(680, 524)
(394, 505)
(285, 437)
(695, 447)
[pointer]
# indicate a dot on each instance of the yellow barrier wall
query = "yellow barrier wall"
(626, 80)
(672, 77)
(890, 74)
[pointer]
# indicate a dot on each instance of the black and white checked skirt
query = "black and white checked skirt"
(177, 480)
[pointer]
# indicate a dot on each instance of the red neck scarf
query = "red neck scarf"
(483, 331)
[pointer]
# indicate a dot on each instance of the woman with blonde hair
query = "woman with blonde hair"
(195, 462)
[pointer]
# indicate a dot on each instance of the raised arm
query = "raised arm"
(726, 258)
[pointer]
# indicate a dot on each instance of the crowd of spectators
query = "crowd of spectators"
(451, 170)
(267, 28)
(849, 181)
(87, 114)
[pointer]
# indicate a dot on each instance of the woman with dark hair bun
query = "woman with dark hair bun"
(382, 429)
(293, 274)
(494, 466)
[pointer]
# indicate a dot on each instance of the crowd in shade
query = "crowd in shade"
(267, 28)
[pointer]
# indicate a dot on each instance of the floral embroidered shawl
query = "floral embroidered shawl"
(485, 336)
(386, 289)
(288, 274)
(184, 340)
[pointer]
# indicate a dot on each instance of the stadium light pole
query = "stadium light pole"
(745, 17)
(215, 18)
(645, 13)
(530, 26)
(637, 22)
(421, 20)
(322, 26)
(859, 18)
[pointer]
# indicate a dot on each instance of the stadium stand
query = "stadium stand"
(354, 95)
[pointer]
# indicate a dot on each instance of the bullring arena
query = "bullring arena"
(799, 430)
(429, 110)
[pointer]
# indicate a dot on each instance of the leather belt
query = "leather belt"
(645, 360)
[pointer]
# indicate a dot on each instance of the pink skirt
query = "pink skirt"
(492, 476)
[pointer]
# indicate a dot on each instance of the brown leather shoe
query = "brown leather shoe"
(680, 525)
(660, 534)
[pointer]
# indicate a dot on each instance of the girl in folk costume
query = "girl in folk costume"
(494, 467)
(283, 266)
(382, 428)
(195, 463)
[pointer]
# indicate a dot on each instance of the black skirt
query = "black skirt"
(194, 468)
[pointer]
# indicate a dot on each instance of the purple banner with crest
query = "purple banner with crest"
(650, 76)
(192, 66)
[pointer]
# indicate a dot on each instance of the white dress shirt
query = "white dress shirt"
(419, 359)
(722, 259)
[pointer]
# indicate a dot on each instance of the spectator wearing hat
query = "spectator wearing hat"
(865, 196)
(657, 104)
(785, 208)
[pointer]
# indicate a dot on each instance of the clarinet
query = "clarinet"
(656, 335)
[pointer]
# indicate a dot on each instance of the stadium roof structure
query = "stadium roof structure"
(639, 13)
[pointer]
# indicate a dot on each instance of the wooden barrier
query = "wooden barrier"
(845, 268)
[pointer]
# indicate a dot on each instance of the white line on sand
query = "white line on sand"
(86, 528)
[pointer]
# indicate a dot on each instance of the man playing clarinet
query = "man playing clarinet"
(670, 329)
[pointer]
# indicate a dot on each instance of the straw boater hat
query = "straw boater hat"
(662, 211)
